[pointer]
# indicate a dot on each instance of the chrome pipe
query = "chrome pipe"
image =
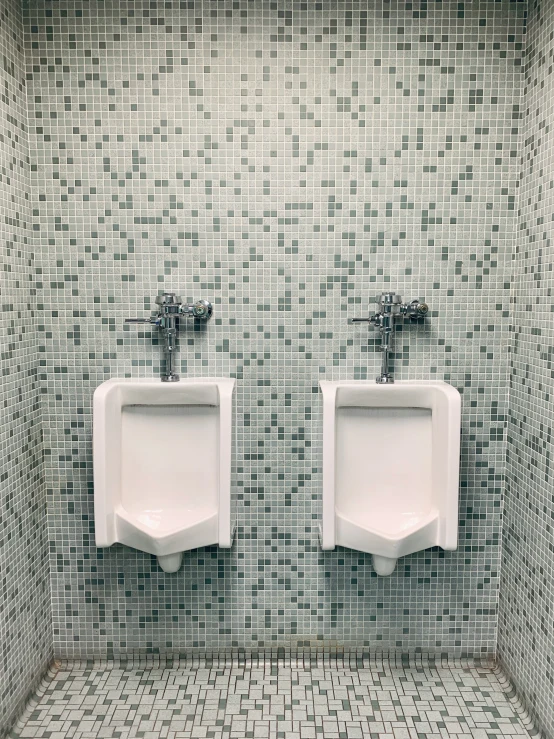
(171, 309)
(390, 307)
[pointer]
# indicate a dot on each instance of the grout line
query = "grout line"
(518, 703)
(34, 698)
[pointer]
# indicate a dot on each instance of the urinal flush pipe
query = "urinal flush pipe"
(389, 308)
(170, 311)
(385, 329)
(170, 346)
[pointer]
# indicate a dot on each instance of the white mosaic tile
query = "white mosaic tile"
(526, 622)
(273, 700)
(287, 162)
(25, 618)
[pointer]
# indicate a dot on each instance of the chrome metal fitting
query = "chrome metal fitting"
(171, 309)
(389, 308)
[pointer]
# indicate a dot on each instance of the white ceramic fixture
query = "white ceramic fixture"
(390, 468)
(162, 465)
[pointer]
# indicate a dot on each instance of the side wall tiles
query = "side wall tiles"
(25, 617)
(526, 624)
(287, 161)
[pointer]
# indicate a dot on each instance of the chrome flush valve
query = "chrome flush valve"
(389, 308)
(171, 309)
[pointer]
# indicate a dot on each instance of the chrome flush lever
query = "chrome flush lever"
(171, 309)
(153, 321)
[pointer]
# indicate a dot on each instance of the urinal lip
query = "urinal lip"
(373, 386)
(385, 386)
(108, 386)
(397, 391)
(424, 521)
(169, 386)
(180, 523)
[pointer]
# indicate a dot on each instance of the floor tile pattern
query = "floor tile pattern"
(272, 700)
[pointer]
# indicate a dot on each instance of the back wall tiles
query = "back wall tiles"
(288, 162)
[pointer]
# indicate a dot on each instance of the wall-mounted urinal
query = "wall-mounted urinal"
(390, 468)
(162, 466)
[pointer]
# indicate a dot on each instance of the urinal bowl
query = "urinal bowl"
(390, 470)
(162, 465)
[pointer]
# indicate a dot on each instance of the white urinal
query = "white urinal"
(162, 465)
(390, 468)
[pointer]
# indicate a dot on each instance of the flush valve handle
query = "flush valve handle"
(375, 319)
(152, 321)
(202, 309)
(415, 310)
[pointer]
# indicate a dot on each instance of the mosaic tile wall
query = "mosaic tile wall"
(286, 161)
(526, 623)
(25, 629)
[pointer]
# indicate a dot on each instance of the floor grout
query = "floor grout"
(270, 699)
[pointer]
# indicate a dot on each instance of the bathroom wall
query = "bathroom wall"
(288, 162)
(25, 619)
(526, 625)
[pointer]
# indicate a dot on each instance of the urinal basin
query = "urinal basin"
(386, 534)
(162, 465)
(390, 467)
(164, 522)
(168, 531)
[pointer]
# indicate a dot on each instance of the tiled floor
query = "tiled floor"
(272, 700)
